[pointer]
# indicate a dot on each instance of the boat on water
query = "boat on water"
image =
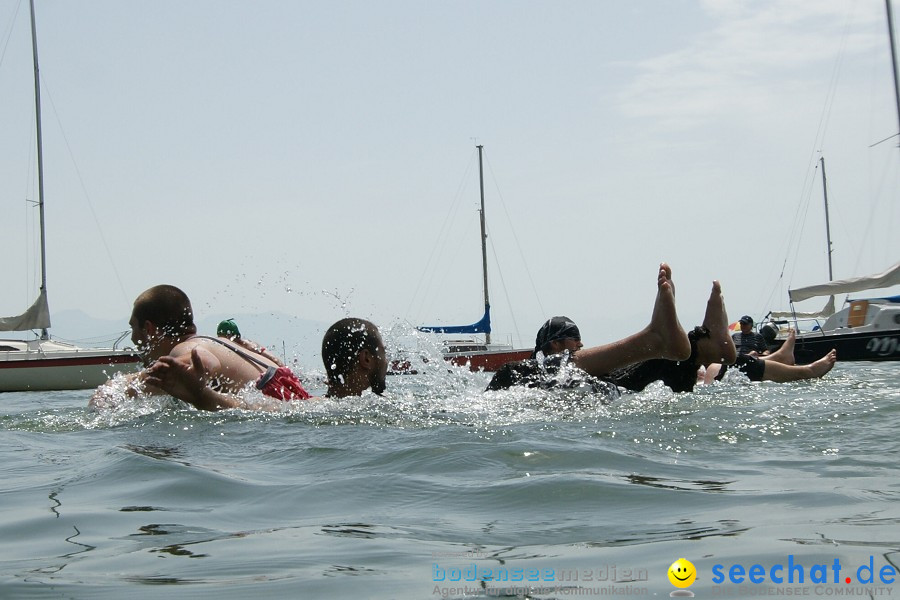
(43, 363)
(864, 329)
(473, 352)
(476, 350)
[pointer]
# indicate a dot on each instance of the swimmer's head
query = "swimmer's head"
(161, 316)
(352, 349)
(561, 330)
(228, 329)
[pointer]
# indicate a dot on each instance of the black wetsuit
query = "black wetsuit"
(551, 372)
(681, 375)
(751, 366)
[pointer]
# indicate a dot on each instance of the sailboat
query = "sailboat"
(865, 329)
(45, 364)
(476, 353)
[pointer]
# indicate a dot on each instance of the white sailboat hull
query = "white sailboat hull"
(42, 365)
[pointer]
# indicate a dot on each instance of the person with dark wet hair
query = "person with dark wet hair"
(208, 372)
(632, 363)
(168, 308)
(352, 352)
(354, 358)
(551, 365)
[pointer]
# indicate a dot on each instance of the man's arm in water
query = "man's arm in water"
(135, 384)
(185, 377)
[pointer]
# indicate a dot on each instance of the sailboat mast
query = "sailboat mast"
(890, 20)
(827, 221)
(40, 156)
(484, 269)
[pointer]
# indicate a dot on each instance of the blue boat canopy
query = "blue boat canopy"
(482, 326)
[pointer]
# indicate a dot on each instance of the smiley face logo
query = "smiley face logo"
(682, 573)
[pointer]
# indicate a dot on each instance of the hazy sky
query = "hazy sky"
(318, 158)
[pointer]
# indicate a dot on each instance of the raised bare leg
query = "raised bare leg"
(718, 347)
(712, 371)
(824, 364)
(672, 340)
(785, 354)
(662, 338)
(776, 371)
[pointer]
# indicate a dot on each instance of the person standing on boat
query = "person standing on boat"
(163, 330)
(748, 341)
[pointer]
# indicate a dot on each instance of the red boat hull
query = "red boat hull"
(487, 361)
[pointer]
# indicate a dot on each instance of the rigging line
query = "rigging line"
(440, 242)
(512, 315)
(879, 199)
(890, 137)
(819, 140)
(799, 221)
(821, 129)
(537, 296)
(84, 190)
(803, 220)
(8, 35)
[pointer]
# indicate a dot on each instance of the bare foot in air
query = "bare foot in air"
(824, 364)
(718, 347)
(785, 354)
(673, 341)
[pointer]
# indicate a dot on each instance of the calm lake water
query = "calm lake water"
(440, 490)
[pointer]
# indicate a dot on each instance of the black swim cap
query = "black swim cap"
(557, 328)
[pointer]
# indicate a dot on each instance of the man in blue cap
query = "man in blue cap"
(748, 341)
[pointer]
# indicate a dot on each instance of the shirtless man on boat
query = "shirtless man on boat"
(163, 330)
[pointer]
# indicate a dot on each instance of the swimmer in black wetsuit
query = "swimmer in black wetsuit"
(778, 366)
(660, 351)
